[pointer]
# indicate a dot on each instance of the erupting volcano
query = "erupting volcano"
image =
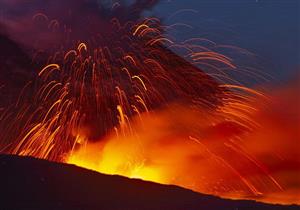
(102, 87)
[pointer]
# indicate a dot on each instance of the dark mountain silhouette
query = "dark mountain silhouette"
(28, 183)
(15, 69)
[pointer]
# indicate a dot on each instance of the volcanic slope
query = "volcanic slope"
(28, 183)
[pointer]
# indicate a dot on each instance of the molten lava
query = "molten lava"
(111, 95)
(200, 150)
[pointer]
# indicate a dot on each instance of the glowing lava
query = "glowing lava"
(202, 151)
(113, 97)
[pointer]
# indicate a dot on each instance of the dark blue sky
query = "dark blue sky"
(268, 28)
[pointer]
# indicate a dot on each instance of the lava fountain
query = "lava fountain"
(112, 96)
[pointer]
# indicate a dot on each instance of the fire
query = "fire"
(182, 145)
(120, 101)
(112, 161)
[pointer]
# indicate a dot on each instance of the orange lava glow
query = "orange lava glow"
(200, 150)
(113, 96)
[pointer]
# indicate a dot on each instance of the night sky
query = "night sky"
(267, 28)
(95, 84)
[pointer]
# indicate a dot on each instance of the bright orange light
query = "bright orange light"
(199, 150)
(155, 115)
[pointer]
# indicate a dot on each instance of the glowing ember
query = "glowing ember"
(121, 102)
(202, 151)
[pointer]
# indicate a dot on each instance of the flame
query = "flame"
(119, 101)
(181, 145)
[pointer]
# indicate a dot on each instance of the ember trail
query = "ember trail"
(118, 100)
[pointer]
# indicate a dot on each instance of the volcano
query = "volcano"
(29, 183)
(105, 88)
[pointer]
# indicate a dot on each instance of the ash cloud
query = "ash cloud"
(84, 17)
